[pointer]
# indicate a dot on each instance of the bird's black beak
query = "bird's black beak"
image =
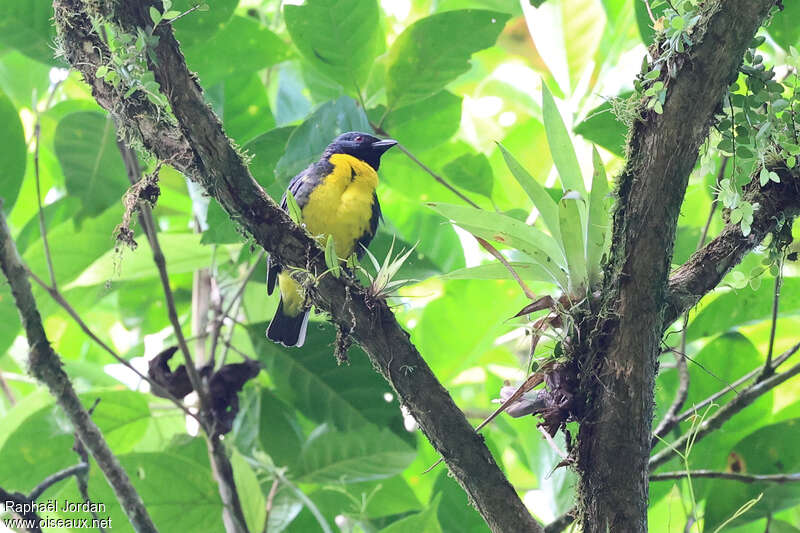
(383, 145)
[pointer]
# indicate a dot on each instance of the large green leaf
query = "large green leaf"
(644, 22)
(40, 442)
(182, 251)
(370, 453)
(424, 522)
(12, 139)
(510, 232)
(746, 306)
(70, 260)
(784, 27)
(178, 491)
(561, 145)
(424, 124)
(267, 149)
(339, 37)
(279, 431)
(455, 513)
(19, 77)
(27, 26)
(598, 230)
(308, 141)
(548, 208)
(574, 238)
(241, 46)
(769, 450)
(246, 113)
(349, 397)
(471, 172)
(247, 485)
(498, 271)
(55, 214)
(435, 50)
(86, 146)
(199, 26)
(567, 35)
(603, 128)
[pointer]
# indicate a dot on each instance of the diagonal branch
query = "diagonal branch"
(46, 366)
(198, 147)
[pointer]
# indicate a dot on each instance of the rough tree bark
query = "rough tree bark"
(618, 351)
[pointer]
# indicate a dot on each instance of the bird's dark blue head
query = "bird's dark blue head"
(360, 145)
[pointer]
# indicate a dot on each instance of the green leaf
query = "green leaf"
(177, 490)
(561, 146)
(455, 513)
(331, 456)
(279, 431)
(221, 229)
(471, 172)
(644, 22)
(86, 146)
(435, 50)
(784, 28)
(242, 46)
(424, 522)
(41, 442)
(737, 308)
(573, 236)
(548, 209)
(182, 251)
(768, 450)
(95, 240)
(496, 270)
(19, 77)
(308, 141)
(310, 380)
(246, 113)
(599, 223)
(295, 213)
(424, 124)
(339, 38)
(267, 149)
(27, 26)
(510, 232)
(250, 495)
(331, 259)
(602, 127)
(12, 139)
(200, 25)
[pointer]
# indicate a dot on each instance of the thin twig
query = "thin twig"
(744, 379)
(37, 129)
(725, 413)
(7, 392)
(735, 476)
(776, 297)
(227, 312)
(270, 500)
(437, 177)
(52, 479)
(60, 300)
(671, 419)
(151, 231)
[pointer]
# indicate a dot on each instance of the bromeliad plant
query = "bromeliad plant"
(568, 254)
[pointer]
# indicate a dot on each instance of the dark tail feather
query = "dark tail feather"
(288, 330)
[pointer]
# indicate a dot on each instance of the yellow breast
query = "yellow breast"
(342, 204)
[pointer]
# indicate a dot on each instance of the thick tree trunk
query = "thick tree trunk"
(618, 352)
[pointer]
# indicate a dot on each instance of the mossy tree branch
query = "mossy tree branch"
(618, 354)
(197, 146)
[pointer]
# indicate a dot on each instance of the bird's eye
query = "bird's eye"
(359, 139)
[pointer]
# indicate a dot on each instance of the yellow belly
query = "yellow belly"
(342, 204)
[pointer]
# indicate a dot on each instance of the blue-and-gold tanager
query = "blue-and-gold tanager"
(336, 196)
